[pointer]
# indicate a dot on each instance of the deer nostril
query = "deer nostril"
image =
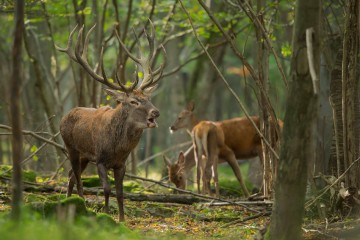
(155, 113)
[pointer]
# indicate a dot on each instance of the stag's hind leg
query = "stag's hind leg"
(119, 178)
(72, 179)
(75, 173)
(102, 171)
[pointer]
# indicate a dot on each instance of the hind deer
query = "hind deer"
(107, 135)
(241, 141)
(208, 139)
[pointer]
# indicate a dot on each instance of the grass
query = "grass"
(33, 226)
(144, 220)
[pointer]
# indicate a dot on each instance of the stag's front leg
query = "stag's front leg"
(102, 171)
(119, 178)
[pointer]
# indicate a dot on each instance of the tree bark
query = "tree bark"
(350, 102)
(15, 86)
(298, 134)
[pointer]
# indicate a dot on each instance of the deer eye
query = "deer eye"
(135, 103)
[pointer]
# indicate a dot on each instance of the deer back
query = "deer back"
(241, 136)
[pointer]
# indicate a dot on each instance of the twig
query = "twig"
(311, 202)
(32, 154)
(265, 214)
(163, 152)
(318, 231)
(191, 193)
(257, 203)
(227, 84)
(35, 135)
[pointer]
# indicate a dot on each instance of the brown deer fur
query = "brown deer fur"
(241, 141)
(106, 136)
(208, 139)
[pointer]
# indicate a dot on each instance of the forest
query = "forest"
(174, 119)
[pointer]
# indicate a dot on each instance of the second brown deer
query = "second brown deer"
(241, 141)
(208, 139)
(105, 135)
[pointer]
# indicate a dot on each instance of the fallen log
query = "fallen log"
(164, 198)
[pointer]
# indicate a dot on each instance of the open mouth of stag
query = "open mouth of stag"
(151, 123)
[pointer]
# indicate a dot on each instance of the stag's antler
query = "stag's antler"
(150, 77)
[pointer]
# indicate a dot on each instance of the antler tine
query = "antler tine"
(127, 89)
(86, 43)
(68, 49)
(151, 40)
(137, 60)
(155, 75)
(106, 81)
(82, 60)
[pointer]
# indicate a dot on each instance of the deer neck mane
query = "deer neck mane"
(126, 133)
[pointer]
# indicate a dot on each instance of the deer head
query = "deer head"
(177, 171)
(185, 119)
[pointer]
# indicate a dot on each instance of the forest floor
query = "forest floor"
(170, 220)
(153, 220)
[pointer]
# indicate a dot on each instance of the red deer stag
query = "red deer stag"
(105, 135)
(240, 137)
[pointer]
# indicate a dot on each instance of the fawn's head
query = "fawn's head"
(176, 171)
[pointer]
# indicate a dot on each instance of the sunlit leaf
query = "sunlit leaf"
(286, 50)
(33, 148)
(35, 158)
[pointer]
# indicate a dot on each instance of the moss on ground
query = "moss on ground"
(27, 175)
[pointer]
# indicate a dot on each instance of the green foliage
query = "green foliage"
(286, 50)
(229, 185)
(132, 186)
(94, 181)
(32, 226)
(50, 208)
(28, 175)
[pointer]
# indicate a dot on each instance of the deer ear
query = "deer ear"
(118, 96)
(190, 106)
(166, 161)
(181, 158)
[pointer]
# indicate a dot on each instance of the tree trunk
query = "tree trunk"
(337, 150)
(298, 135)
(350, 79)
(263, 70)
(15, 86)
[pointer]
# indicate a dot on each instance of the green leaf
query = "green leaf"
(140, 74)
(35, 158)
(108, 98)
(286, 50)
(33, 148)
